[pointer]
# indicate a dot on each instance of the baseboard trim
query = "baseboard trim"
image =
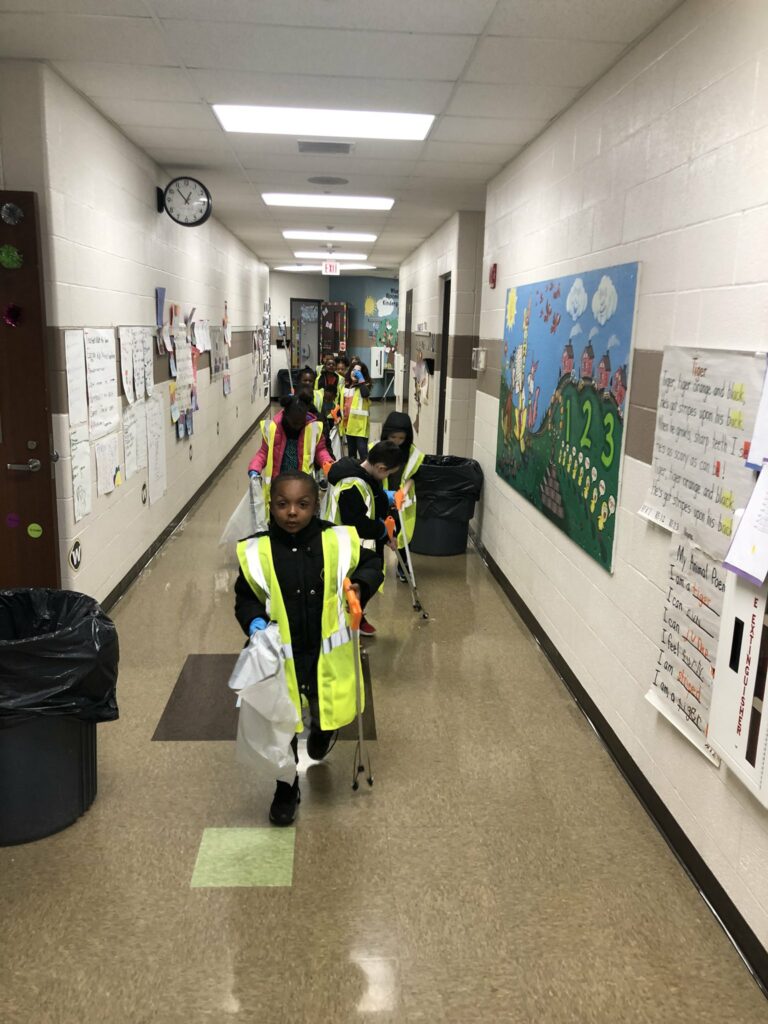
(117, 592)
(747, 944)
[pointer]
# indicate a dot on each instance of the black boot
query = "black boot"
(284, 803)
(319, 743)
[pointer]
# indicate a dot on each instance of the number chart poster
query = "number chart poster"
(564, 380)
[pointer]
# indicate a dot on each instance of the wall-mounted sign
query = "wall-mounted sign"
(76, 555)
(331, 268)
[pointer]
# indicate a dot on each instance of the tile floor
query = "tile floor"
(477, 881)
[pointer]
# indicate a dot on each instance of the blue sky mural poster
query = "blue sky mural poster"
(564, 378)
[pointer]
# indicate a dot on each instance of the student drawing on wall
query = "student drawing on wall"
(518, 383)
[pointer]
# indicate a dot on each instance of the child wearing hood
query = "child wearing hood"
(399, 429)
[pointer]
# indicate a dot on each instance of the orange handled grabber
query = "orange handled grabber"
(406, 567)
(356, 616)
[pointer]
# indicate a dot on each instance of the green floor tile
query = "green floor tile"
(231, 857)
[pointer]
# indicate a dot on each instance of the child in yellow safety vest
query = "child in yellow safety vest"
(292, 440)
(357, 405)
(399, 429)
(293, 575)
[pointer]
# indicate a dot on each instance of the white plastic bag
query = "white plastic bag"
(249, 517)
(267, 721)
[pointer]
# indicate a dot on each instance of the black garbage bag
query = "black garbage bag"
(447, 487)
(58, 656)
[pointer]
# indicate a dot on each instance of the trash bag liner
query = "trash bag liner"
(59, 655)
(447, 487)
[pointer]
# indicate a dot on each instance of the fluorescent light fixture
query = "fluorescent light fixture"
(333, 124)
(328, 202)
(331, 256)
(358, 266)
(329, 236)
(300, 268)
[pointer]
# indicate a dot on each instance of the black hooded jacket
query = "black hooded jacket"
(397, 421)
(352, 507)
(300, 570)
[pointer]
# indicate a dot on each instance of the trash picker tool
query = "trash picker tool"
(406, 568)
(361, 756)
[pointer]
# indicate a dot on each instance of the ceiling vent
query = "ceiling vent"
(326, 148)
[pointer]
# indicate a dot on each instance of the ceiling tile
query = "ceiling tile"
(487, 129)
(469, 171)
(152, 114)
(502, 100)
(176, 138)
(313, 51)
(469, 152)
(129, 8)
(78, 37)
(598, 20)
(227, 86)
(122, 81)
(369, 15)
(540, 61)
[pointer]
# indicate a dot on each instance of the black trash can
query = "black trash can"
(58, 675)
(284, 382)
(447, 488)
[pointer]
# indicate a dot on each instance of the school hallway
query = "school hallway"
(500, 868)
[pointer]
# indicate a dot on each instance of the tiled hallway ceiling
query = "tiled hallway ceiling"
(494, 72)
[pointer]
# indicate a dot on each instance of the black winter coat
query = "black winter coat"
(300, 573)
(352, 508)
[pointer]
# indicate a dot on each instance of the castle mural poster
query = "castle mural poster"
(564, 379)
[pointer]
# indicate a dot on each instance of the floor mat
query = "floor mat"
(202, 707)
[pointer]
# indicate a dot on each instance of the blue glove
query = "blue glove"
(253, 474)
(390, 496)
(256, 625)
(358, 375)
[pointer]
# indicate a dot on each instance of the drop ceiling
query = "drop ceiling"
(493, 72)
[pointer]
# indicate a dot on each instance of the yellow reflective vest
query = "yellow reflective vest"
(311, 434)
(408, 511)
(336, 676)
(358, 424)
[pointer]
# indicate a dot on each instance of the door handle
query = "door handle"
(31, 466)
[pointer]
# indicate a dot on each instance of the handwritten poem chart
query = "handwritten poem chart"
(706, 415)
(101, 369)
(685, 670)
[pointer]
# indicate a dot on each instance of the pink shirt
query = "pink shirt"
(259, 461)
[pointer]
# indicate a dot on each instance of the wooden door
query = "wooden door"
(29, 546)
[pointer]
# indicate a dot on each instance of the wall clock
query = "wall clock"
(187, 202)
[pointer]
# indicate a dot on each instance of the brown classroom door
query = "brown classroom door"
(29, 546)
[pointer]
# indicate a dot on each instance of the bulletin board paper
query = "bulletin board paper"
(156, 449)
(706, 417)
(126, 363)
(564, 379)
(77, 392)
(80, 457)
(690, 630)
(101, 370)
(107, 464)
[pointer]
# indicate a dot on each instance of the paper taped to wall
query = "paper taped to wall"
(706, 416)
(77, 395)
(80, 455)
(101, 370)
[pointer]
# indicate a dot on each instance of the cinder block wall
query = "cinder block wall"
(665, 161)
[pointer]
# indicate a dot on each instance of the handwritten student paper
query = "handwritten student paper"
(101, 368)
(156, 449)
(74, 350)
(685, 670)
(705, 420)
(748, 554)
(80, 450)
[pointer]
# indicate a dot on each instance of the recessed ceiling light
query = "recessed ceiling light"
(334, 124)
(331, 255)
(330, 236)
(328, 202)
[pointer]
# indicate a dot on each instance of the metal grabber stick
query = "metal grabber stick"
(361, 755)
(406, 568)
